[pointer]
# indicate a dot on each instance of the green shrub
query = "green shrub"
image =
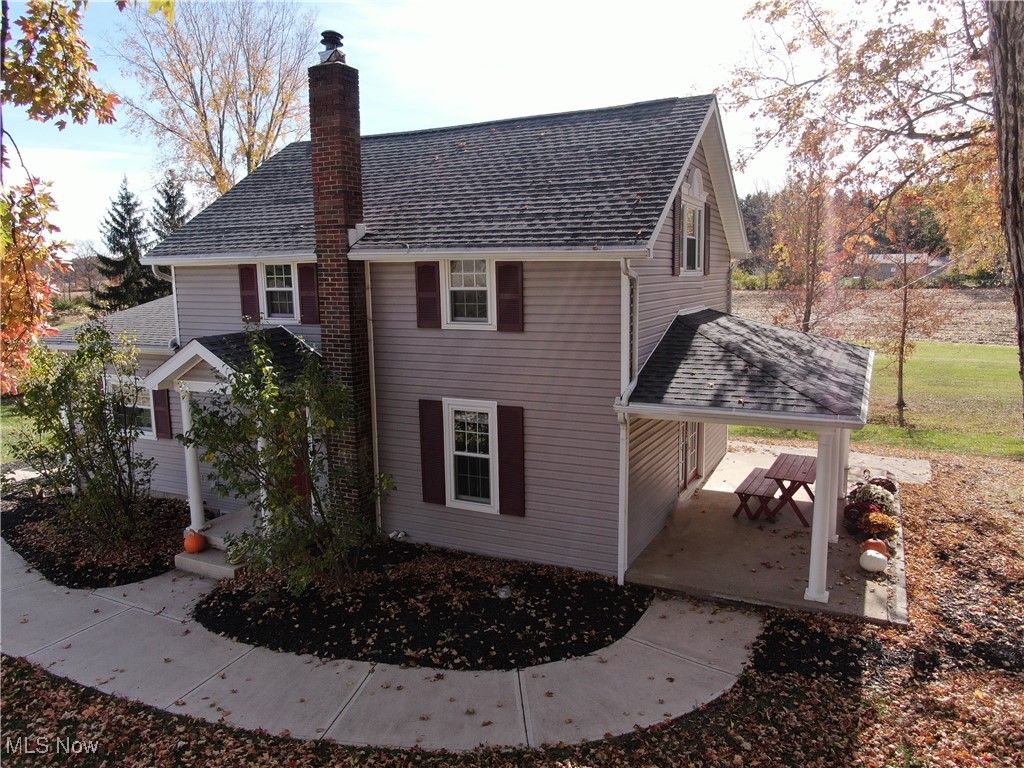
(261, 433)
(83, 412)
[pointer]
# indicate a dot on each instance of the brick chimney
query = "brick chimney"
(337, 207)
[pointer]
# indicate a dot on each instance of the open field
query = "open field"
(978, 316)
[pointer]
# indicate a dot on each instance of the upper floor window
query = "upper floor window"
(280, 291)
(693, 238)
(468, 294)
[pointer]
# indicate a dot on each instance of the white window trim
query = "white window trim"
(446, 299)
(491, 409)
(264, 304)
(145, 434)
(698, 209)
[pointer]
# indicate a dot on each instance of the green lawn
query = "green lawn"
(964, 398)
(10, 422)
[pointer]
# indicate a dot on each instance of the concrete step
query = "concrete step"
(232, 523)
(212, 563)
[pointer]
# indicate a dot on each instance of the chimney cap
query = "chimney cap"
(331, 41)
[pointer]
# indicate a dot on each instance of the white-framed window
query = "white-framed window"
(467, 295)
(471, 454)
(139, 414)
(692, 240)
(279, 292)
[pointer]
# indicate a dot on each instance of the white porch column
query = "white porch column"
(824, 509)
(192, 479)
(840, 475)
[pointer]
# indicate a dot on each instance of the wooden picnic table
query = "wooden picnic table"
(792, 472)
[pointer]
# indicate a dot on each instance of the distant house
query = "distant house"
(554, 287)
(886, 266)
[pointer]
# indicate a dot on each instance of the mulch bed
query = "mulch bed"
(423, 606)
(32, 525)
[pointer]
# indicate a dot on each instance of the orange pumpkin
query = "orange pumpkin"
(876, 545)
(195, 542)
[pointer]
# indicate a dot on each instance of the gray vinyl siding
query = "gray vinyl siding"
(662, 295)
(169, 473)
(716, 443)
(563, 370)
(208, 302)
(653, 479)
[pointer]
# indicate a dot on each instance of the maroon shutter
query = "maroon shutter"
(432, 450)
(677, 235)
(301, 482)
(509, 278)
(309, 295)
(249, 288)
(428, 294)
(161, 399)
(706, 231)
(511, 461)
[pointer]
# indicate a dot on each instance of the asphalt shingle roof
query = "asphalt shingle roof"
(709, 359)
(151, 325)
(574, 180)
(286, 349)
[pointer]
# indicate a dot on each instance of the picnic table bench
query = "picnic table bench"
(758, 486)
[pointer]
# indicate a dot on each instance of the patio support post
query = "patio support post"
(824, 509)
(839, 475)
(192, 479)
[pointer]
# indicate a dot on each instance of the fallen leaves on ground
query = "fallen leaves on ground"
(820, 691)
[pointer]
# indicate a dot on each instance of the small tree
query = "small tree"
(171, 209)
(85, 410)
(265, 434)
(126, 237)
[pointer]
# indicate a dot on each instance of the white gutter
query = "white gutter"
(236, 257)
(405, 253)
(738, 416)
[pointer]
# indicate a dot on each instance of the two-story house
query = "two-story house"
(492, 295)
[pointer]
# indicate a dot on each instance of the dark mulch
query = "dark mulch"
(33, 526)
(423, 606)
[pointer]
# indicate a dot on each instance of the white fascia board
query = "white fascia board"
(738, 416)
(667, 210)
(186, 357)
(238, 257)
(512, 254)
(720, 170)
(149, 349)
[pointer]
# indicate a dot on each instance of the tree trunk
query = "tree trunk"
(1006, 56)
(901, 353)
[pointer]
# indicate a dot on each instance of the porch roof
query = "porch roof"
(232, 351)
(717, 367)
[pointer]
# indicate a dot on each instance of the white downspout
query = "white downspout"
(373, 392)
(629, 314)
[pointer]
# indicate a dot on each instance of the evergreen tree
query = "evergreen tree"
(171, 208)
(126, 237)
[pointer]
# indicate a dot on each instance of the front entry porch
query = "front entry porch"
(706, 552)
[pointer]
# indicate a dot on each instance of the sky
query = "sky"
(432, 63)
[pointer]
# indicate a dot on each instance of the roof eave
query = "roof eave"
(234, 257)
(589, 253)
(743, 416)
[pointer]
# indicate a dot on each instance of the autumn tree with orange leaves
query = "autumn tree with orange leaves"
(46, 68)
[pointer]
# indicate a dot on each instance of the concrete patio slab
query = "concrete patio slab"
(625, 685)
(433, 709)
(718, 636)
(154, 659)
(172, 594)
(39, 614)
(297, 695)
(14, 570)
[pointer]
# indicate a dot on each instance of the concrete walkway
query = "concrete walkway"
(138, 641)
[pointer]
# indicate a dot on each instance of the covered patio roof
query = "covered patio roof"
(714, 367)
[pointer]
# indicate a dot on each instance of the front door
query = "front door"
(689, 452)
